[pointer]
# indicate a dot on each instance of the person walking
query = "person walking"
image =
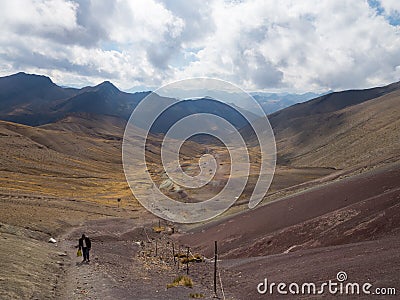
(85, 244)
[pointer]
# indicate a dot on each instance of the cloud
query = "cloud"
(260, 44)
(390, 6)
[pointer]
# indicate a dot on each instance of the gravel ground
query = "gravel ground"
(122, 268)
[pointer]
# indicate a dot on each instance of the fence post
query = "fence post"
(215, 268)
(173, 253)
(179, 253)
(187, 261)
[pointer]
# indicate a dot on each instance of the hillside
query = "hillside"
(102, 99)
(333, 102)
(344, 130)
(352, 225)
(68, 172)
(365, 134)
(59, 163)
(363, 207)
(76, 157)
(312, 138)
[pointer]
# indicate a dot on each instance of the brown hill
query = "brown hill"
(60, 163)
(92, 125)
(352, 225)
(78, 157)
(363, 207)
(344, 130)
(365, 134)
(333, 102)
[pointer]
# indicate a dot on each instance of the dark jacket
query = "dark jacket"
(88, 243)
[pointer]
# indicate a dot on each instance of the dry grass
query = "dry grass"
(158, 229)
(363, 134)
(181, 281)
(196, 295)
(192, 258)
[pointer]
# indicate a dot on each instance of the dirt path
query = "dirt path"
(121, 268)
(82, 281)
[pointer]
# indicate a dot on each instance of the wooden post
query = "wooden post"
(156, 248)
(179, 253)
(187, 261)
(215, 267)
(159, 223)
(173, 253)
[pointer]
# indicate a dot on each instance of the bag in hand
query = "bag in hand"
(79, 253)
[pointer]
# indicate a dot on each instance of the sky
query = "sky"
(260, 45)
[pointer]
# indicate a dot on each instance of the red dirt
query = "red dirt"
(337, 226)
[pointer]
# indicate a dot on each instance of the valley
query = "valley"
(333, 204)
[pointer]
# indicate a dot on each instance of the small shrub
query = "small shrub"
(158, 229)
(196, 295)
(180, 255)
(181, 281)
(193, 258)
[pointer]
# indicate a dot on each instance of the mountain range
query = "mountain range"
(35, 100)
(272, 102)
(313, 133)
(333, 203)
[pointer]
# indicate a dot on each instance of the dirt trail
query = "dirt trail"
(82, 281)
(119, 270)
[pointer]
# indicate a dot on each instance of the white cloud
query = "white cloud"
(284, 45)
(38, 16)
(391, 6)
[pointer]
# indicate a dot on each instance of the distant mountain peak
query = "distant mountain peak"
(25, 76)
(106, 84)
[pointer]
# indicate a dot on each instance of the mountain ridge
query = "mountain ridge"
(44, 102)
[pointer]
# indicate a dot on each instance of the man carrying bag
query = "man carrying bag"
(85, 245)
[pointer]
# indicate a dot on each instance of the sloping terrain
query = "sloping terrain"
(53, 162)
(77, 157)
(30, 267)
(272, 102)
(362, 207)
(333, 102)
(101, 126)
(352, 225)
(373, 262)
(68, 171)
(364, 134)
(344, 130)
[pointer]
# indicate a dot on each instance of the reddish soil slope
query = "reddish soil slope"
(352, 225)
(363, 207)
